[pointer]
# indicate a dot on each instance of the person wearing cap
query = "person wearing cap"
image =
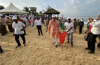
(38, 24)
(95, 31)
(53, 29)
(18, 30)
(81, 25)
(3, 30)
(69, 29)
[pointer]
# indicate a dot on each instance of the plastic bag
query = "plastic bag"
(62, 37)
(29, 21)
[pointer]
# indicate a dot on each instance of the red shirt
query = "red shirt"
(90, 27)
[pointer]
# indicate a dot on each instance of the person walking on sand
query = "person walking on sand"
(75, 24)
(21, 20)
(89, 32)
(81, 25)
(95, 31)
(46, 22)
(53, 29)
(38, 24)
(32, 21)
(69, 29)
(18, 30)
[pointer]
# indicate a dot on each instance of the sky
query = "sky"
(65, 7)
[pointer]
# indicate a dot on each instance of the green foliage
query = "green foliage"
(49, 7)
(26, 9)
(1, 7)
(40, 12)
(35, 13)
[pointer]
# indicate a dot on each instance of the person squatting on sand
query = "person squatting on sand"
(38, 24)
(95, 31)
(69, 29)
(18, 30)
(53, 29)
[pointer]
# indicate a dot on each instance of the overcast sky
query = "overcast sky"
(65, 7)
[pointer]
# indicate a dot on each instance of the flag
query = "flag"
(62, 26)
(62, 37)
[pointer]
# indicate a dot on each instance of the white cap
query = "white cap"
(1, 15)
(94, 20)
(68, 18)
(7, 16)
(10, 15)
(81, 19)
(14, 17)
(53, 15)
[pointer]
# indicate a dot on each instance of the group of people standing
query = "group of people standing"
(5, 22)
(17, 25)
(93, 32)
(69, 25)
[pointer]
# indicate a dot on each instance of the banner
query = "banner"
(62, 37)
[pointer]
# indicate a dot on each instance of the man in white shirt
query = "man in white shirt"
(69, 29)
(38, 24)
(95, 31)
(32, 22)
(18, 30)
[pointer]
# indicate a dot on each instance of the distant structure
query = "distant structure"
(33, 9)
(51, 11)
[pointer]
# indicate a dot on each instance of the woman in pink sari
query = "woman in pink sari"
(53, 29)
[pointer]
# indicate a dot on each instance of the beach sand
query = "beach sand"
(40, 50)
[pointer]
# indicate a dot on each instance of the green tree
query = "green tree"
(1, 7)
(35, 13)
(43, 11)
(40, 12)
(49, 7)
(26, 9)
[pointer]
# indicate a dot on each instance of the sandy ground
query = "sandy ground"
(40, 50)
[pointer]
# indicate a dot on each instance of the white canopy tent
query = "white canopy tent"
(11, 9)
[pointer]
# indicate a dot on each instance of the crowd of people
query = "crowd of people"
(17, 24)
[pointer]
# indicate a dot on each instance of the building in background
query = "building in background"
(33, 10)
